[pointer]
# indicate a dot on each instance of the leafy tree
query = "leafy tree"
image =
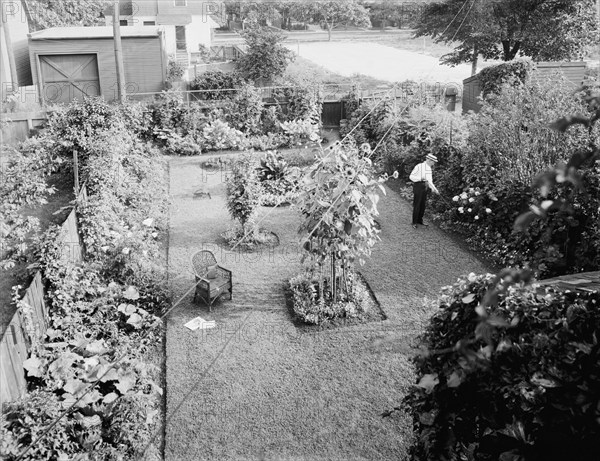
(44, 14)
(545, 30)
(266, 58)
(337, 12)
(256, 13)
(393, 12)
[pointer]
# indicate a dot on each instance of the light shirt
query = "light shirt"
(422, 172)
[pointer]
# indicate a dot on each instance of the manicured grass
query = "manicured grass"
(306, 69)
(257, 387)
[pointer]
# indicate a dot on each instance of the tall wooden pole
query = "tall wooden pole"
(118, 53)
(9, 47)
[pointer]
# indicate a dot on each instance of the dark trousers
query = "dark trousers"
(419, 200)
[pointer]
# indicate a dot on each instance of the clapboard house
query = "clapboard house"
(71, 62)
(188, 24)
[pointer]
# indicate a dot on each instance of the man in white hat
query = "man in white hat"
(422, 179)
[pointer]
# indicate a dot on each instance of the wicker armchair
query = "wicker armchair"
(212, 280)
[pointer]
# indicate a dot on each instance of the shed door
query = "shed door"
(67, 77)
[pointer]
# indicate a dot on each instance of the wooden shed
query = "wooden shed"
(573, 71)
(70, 62)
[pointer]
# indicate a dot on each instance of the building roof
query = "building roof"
(57, 33)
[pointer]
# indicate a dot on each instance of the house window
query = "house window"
(123, 22)
(180, 2)
(149, 23)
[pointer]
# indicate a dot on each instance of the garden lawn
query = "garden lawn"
(380, 62)
(256, 387)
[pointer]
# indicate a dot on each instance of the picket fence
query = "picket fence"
(15, 345)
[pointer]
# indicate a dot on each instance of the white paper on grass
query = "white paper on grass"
(199, 322)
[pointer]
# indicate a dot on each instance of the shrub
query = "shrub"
(511, 137)
(492, 79)
(266, 57)
(24, 420)
(182, 145)
(278, 180)
(219, 135)
(73, 128)
(524, 387)
(304, 100)
(216, 80)
(299, 132)
(167, 114)
(503, 166)
(243, 192)
(247, 110)
(266, 141)
(175, 70)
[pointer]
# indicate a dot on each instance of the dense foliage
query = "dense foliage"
(333, 13)
(498, 153)
(104, 311)
(504, 168)
(242, 121)
(44, 14)
(543, 30)
(278, 180)
(265, 58)
(511, 370)
(210, 82)
(493, 78)
(25, 175)
(522, 385)
(243, 193)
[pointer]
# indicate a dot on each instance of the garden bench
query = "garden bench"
(212, 280)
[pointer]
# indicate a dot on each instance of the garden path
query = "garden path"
(256, 387)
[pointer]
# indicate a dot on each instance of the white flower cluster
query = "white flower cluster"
(467, 198)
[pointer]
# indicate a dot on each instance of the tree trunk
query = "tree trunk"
(475, 60)
(329, 27)
(506, 50)
(515, 50)
(508, 53)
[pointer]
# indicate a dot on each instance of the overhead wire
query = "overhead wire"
(113, 364)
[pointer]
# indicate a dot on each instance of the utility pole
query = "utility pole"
(9, 47)
(118, 53)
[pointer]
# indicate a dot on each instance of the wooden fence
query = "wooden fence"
(17, 126)
(15, 345)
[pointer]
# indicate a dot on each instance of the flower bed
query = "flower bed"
(240, 122)
(493, 160)
(309, 307)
